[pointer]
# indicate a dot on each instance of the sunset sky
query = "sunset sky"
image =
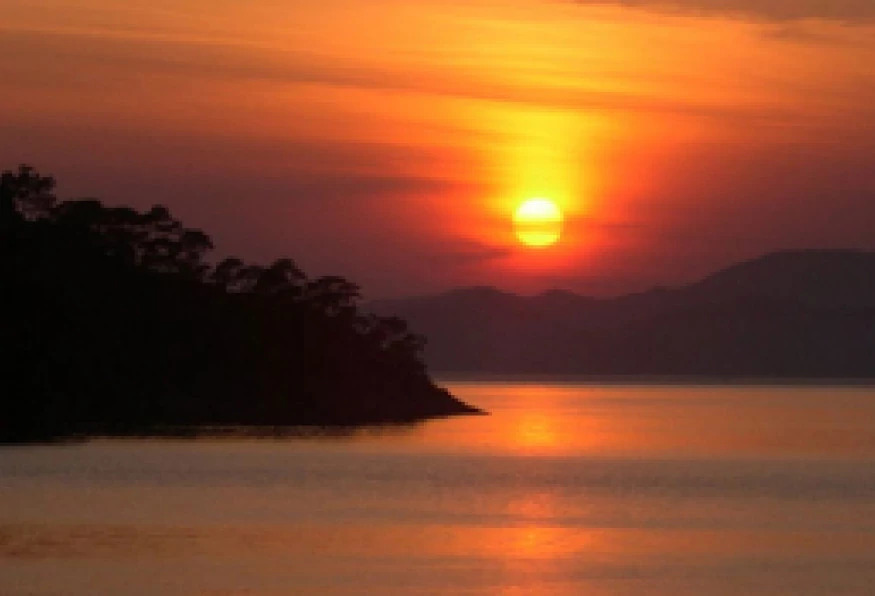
(391, 141)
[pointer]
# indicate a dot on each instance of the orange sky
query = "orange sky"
(390, 140)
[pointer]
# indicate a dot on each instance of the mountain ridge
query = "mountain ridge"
(792, 313)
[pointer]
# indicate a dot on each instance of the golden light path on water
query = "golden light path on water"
(564, 489)
(652, 420)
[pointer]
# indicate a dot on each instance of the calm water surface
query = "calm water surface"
(564, 489)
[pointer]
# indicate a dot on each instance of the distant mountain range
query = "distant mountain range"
(801, 314)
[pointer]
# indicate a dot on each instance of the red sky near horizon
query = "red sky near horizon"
(391, 141)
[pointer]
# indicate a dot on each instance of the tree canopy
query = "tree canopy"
(120, 323)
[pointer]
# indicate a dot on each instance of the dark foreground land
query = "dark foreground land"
(118, 325)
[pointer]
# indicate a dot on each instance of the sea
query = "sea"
(566, 487)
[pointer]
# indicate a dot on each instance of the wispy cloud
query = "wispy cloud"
(199, 60)
(465, 252)
(846, 11)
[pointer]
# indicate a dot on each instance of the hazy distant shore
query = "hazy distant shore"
(684, 380)
(785, 317)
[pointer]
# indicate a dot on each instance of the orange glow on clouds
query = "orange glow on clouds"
(390, 133)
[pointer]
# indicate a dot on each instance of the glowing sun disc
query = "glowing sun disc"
(538, 222)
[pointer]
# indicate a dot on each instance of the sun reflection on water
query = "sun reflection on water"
(535, 432)
(531, 420)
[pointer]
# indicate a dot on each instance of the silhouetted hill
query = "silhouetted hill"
(800, 314)
(113, 322)
(821, 278)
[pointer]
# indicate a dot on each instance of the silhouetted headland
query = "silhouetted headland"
(116, 324)
(804, 314)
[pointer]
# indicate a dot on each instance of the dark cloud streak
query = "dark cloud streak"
(844, 11)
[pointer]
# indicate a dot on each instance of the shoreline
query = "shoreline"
(450, 377)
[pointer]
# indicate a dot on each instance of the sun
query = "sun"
(538, 222)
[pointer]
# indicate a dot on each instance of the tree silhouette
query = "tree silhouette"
(25, 194)
(121, 325)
